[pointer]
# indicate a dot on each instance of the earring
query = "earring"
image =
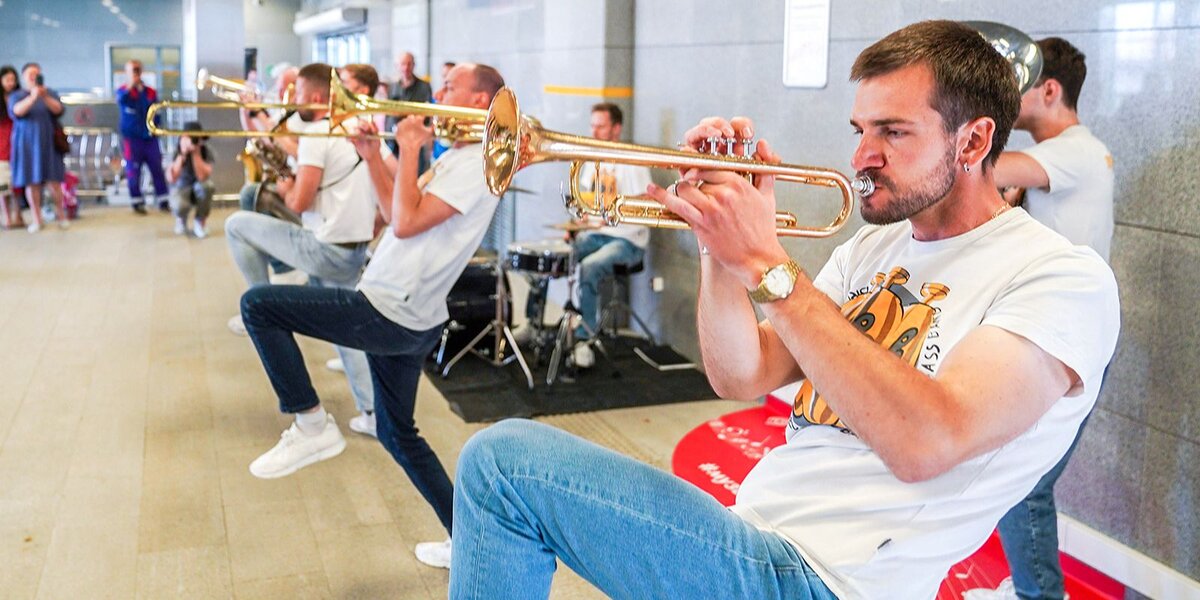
(966, 168)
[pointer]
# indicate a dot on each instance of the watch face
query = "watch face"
(777, 282)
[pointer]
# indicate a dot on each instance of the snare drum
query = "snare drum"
(551, 258)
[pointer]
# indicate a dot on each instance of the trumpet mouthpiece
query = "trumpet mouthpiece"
(863, 186)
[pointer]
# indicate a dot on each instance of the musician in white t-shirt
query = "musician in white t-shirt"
(600, 250)
(396, 313)
(332, 194)
(1068, 182)
(949, 350)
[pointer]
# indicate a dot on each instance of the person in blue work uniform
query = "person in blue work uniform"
(138, 146)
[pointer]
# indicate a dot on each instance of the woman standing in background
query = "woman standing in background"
(9, 83)
(34, 159)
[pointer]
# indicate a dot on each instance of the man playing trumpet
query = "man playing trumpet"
(974, 347)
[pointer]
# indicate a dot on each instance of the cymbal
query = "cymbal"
(573, 226)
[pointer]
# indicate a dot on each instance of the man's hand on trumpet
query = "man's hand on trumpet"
(733, 219)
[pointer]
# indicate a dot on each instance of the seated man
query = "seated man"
(599, 251)
(435, 223)
(332, 193)
(956, 346)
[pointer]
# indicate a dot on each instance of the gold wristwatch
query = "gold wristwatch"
(777, 283)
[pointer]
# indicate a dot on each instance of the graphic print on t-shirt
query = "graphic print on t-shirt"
(893, 317)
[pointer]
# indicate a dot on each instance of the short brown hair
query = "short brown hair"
(1065, 64)
(971, 79)
(487, 79)
(614, 112)
(317, 75)
(364, 74)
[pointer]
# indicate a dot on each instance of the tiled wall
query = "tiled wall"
(1135, 475)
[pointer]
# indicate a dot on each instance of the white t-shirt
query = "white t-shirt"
(344, 210)
(865, 532)
(408, 279)
(1079, 200)
(630, 180)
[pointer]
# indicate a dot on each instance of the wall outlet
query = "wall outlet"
(657, 284)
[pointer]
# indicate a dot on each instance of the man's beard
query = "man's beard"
(308, 116)
(906, 203)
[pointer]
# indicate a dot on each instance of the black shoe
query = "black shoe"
(164, 206)
(139, 209)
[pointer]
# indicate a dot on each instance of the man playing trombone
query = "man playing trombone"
(434, 224)
(949, 350)
(332, 194)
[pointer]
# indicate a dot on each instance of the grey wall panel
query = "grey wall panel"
(1167, 523)
(1137, 260)
(1103, 483)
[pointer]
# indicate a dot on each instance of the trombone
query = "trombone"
(453, 124)
(512, 142)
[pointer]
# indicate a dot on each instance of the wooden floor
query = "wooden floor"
(129, 414)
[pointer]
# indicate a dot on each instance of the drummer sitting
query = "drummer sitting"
(598, 251)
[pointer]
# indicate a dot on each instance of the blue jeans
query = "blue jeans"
(275, 313)
(1029, 534)
(246, 202)
(597, 254)
(254, 239)
(528, 493)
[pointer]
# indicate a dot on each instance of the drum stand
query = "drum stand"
(565, 337)
(502, 335)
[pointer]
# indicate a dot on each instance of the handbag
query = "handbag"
(62, 145)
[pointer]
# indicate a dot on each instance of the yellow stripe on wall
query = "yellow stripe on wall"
(604, 92)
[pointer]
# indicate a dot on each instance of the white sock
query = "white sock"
(312, 423)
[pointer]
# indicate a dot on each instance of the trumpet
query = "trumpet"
(453, 124)
(512, 142)
(221, 87)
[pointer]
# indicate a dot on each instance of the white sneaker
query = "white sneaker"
(364, 423)
(180, 227)
(335, 364)
(198, 230)
(1004, 591)
(236, 325)
(434, 554)
(293, 277)
(583, 355)
(64, 224)
(297, 450)
(34, 227)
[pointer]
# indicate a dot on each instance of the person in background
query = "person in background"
(35, 162)
(599, 251)
(409, 88)
(138, 146)
(9, 83)
(189, 174)
(438, 146)
(1068, 181)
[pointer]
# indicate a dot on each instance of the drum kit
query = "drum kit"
(540, 262)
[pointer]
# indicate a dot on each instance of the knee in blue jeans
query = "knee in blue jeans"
(251, 302)
(489, 451)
